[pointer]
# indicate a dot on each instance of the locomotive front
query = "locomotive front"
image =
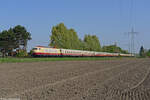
(36, 51)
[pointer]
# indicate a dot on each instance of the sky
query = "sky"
(110, 20)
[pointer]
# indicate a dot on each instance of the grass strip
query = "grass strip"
(17, 60)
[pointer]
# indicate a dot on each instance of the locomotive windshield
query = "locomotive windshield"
(34, 49)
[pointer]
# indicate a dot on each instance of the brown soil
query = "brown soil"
(126, 79)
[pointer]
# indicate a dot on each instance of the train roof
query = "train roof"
(45, 47)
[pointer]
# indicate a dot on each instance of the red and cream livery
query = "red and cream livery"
(48, 51)
(45, 51)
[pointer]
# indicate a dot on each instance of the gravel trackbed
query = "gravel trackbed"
(125, 79)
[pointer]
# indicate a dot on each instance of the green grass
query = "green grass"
(16, 60)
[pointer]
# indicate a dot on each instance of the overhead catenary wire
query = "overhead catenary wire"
(123, 8)
(129, 7)
(131, 13)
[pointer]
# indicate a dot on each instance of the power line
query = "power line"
(132, 33)
(131, 13)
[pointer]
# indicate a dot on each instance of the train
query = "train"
(42, 51)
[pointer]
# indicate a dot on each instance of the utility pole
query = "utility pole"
(132, 44)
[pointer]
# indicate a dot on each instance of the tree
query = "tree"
(22, 36)
(148, 53)
(91, 43)
(110, 48)
(64, 38)
(74, 41)
(14, 38)
(58, 37)
(142, 52)
(7, 41)
(81, 44)
(113, 49)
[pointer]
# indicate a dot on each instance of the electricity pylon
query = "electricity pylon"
(132, 44)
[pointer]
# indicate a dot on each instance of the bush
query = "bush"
(30, 53)
(22, 53)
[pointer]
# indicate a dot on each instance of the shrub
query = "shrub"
(22, 53)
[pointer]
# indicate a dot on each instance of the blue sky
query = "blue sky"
(108, 19)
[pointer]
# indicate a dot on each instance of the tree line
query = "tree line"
(62, 37)
(14, 39)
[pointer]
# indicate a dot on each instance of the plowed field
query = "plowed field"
(125, 79)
